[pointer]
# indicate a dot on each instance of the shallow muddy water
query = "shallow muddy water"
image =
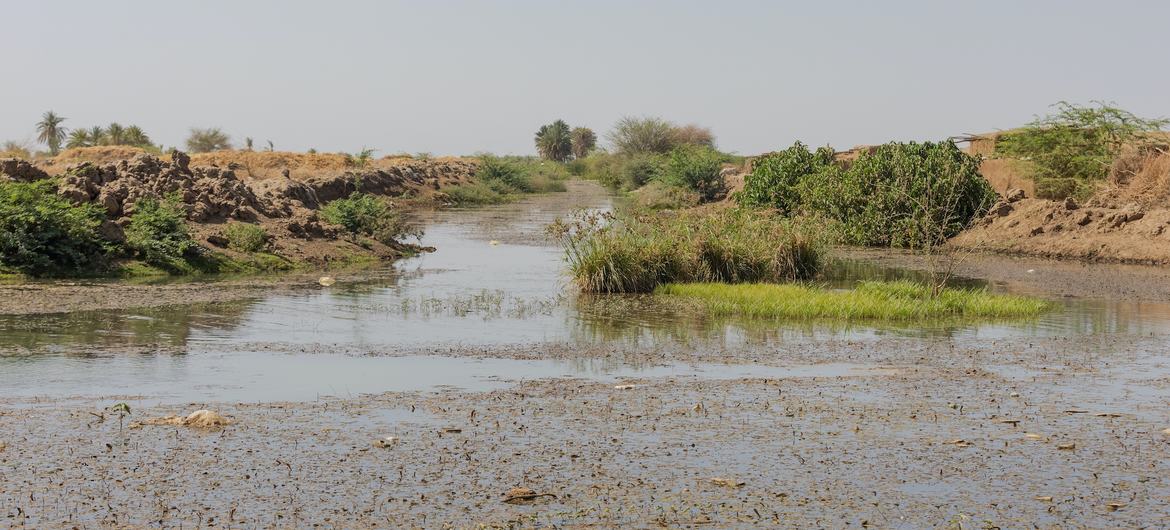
(493, 281)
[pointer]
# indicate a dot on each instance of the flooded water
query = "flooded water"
(494, 280)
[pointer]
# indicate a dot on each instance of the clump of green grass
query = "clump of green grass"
(473, 193)
(245, 237)
(871, 300)
(636, 254)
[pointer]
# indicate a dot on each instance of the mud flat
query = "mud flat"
(964, 435)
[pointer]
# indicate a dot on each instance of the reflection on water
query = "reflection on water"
(493, 280)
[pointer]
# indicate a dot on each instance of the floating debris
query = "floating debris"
(326, 281)
(524, 496)
(624, 387)
(201, 418)
(727, 482)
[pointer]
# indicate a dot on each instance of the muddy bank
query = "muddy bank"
(212, 196)
(983, 439)
(1040, 276)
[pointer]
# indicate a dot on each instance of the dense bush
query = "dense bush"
(696, 168)
(900, 194)
(775, 181)
(631, 254)
(158, 235)
(362, 214)
(245, 237)
(632, 135)
(624, 172)
(1071, 150)
(42, 233)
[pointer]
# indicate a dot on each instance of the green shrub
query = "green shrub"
(362, 214)
(624, 172)
(473, 193)
(246, 237)
(697, 168)
(1078, 143)
(660, 196)
(158, 235)
(505, 171)
(775, 181)
(632, 254)
(901, 194)
(42, 233)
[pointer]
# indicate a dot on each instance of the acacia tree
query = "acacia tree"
(553, 141)
(583, 141)
(50, 132)
(642, 135)
(210, 139)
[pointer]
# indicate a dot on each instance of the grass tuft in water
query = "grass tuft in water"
(637, 253)
(870, 300)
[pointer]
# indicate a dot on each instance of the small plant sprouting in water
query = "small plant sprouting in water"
(123, 410)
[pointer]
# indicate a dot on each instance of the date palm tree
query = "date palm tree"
(116, 134)
(553, 141)
(50, 132)
(583, 140)
(78, 138)
(137, 137)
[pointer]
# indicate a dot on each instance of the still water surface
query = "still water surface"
(493, 281)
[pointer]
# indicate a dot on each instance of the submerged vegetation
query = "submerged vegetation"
(636, 254)
(869, 300)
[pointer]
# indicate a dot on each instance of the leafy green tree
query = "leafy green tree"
(206, 140)
(642, 135)
(554, 142)
(51, 132)
(583, 140)
(1073, 148)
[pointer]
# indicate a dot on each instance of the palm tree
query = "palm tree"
(97, 135)
(553, 142)
(137, 137)
(116, 134)
(211, 139)
(78, 138)
(50, 132)
(583, 140)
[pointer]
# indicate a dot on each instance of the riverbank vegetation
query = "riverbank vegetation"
(500, 179)
(909, 195)
(869, 300)
(638, 253)
(1070, 152)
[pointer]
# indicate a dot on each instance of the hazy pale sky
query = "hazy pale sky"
(456, 77)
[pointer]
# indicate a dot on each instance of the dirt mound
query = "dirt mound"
(99, 155)
(20, 170)
(272, 164)
(208, 193)
(1064, 229)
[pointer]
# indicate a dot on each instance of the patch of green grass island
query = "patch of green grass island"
(870, 300)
